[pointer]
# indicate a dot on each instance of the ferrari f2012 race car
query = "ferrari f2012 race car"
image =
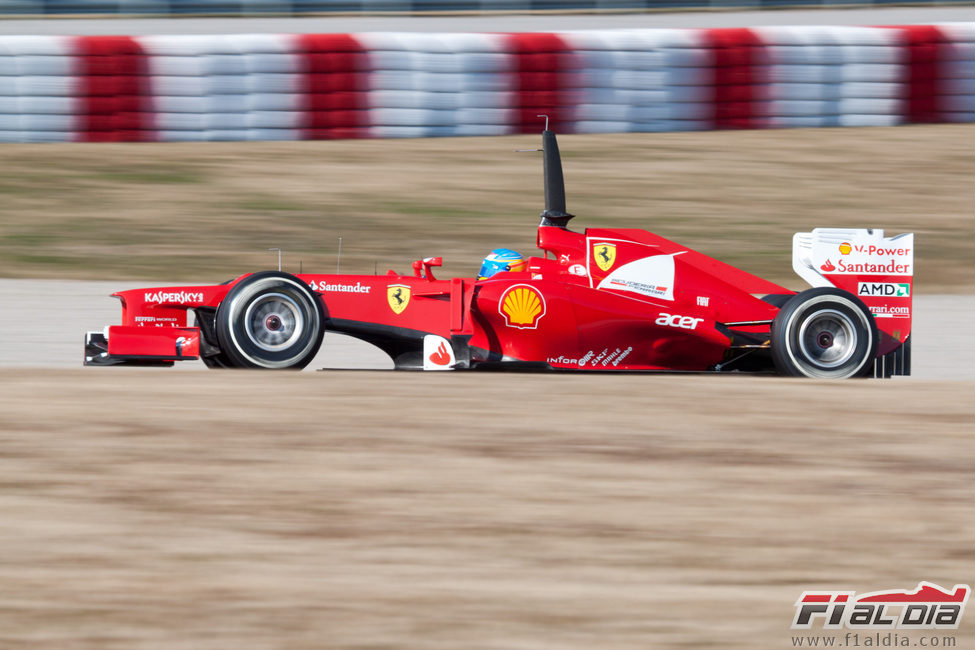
(598, 300)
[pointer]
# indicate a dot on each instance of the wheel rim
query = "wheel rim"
(828, 338)
(273, 322)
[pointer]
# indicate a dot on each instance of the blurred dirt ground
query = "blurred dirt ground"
(207, 212)
(363, 510)
(146, 509)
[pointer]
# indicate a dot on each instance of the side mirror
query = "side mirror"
(425, 265)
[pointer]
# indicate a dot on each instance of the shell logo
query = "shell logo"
(522, 306)
(845, 248)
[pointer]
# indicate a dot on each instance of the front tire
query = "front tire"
(824, 333)
(270, 320)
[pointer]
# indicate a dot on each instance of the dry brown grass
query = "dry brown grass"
(146, 509)
(207, 212)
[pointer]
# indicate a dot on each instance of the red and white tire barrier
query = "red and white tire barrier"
(952, 57)
(385, 85)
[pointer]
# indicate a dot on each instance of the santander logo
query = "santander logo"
(441, 357)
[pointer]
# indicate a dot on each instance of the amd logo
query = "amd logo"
(675, 320)
(888, 289)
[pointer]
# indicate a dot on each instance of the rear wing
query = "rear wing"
(879, 270)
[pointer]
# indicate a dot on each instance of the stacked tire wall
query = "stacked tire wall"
(179, 8)
(388, 85)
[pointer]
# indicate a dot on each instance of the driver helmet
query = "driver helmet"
(501, 259)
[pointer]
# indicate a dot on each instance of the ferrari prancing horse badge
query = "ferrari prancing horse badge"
(605, 255)
(398, 296)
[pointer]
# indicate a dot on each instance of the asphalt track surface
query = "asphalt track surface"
(488, 22)
(43, 323)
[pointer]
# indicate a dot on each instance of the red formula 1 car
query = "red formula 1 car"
(599, 300)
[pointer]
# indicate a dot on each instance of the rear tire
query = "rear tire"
(269, 320)
(824, 333)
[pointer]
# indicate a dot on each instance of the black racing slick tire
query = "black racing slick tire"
(270, 320)
(824, 333)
